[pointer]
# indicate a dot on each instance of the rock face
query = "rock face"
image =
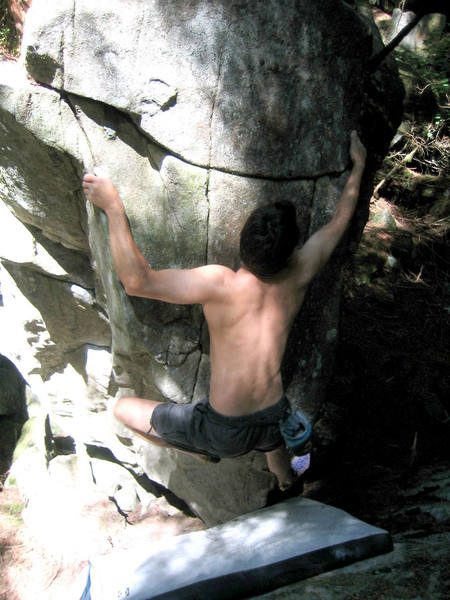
(199, 111)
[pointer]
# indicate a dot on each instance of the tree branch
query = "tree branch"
(375, 61)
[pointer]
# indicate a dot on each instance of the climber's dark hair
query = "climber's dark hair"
(269, 237)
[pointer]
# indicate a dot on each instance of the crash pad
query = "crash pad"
(247, 556)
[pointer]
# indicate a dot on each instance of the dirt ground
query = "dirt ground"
(53, 565)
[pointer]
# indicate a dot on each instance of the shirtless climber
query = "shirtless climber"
(249, 314)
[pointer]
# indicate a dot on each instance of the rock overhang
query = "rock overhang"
(216, 84)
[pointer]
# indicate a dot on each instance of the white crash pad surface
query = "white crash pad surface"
(251, 554)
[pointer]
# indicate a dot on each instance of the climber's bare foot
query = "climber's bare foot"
(101, 192)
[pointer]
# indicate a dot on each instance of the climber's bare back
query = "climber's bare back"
(249, 322)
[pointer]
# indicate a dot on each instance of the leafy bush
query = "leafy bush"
(9, 33)
(430, 68)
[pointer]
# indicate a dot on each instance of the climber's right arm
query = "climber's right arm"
(319, 247)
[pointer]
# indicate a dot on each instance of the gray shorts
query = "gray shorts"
(199, 428)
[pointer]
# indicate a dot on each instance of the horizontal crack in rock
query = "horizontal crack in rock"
(129, 117)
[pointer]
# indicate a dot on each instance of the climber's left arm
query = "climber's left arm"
(180, 286)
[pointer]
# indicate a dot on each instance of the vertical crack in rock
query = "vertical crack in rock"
(213, 108)
(66, 98)
(72, 16)
(202, 324)
(29, 104)
(140, 27)
(61, 59)
(208, 204)
(208, 176)
(216, 91)
(308, 214)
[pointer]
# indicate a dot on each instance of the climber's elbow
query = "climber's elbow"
(137, 284)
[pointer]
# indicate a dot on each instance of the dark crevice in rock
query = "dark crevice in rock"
(41, 65)
(119, 510)
(59, 444)
(45, 274)
(48, 440)
(158, 490)
(66, 98)
(78, 172)
(74, 262)
(13, 412)
(64, 444)
(92, 345)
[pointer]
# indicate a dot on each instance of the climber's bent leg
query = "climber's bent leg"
(279, 464)
(136, 414)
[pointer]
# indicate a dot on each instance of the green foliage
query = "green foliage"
(9, 34)
(12, 513)
(430, 68)
(12, 508)
(418, 163)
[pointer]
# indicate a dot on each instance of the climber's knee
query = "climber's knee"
(135, 413)
(122, 409)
